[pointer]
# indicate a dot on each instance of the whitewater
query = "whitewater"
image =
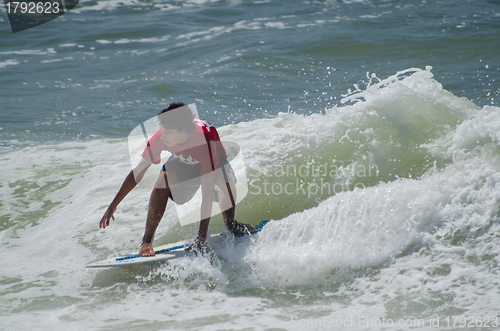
(416, 239)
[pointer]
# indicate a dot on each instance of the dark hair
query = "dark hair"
(181, 119)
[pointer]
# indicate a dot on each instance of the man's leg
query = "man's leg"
(156, 209)
(227, 202)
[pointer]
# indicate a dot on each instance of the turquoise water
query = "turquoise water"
(369, 131)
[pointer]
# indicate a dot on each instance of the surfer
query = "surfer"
(198, 159)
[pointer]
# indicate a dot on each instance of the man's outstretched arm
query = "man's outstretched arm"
(134, 177)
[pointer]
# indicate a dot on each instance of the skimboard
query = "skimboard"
(169, 251)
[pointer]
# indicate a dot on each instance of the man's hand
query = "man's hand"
(106, 217)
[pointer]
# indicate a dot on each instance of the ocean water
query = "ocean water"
(371, 138)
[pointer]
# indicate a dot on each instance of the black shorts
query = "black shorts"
(186, 178)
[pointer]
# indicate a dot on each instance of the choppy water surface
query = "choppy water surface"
(370, 132)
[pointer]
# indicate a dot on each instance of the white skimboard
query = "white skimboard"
(166, 252)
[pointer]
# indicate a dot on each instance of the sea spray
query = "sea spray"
(296, 161)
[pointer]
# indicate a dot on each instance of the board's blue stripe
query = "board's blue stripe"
(258, 228)
(156, 252)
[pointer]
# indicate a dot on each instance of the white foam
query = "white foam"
(8, 63)
(431, 238)
(48, 51)
(112, 5)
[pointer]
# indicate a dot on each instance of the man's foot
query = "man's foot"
(146, 250)
(249, 228)
(198, 247)
(240, 228)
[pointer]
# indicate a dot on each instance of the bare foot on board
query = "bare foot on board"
(146, 250)
(237, 227)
